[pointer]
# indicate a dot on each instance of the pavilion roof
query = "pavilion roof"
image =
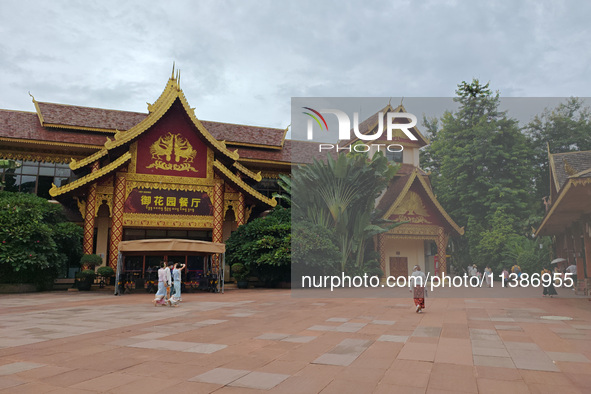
(399, 187)
(570, 174)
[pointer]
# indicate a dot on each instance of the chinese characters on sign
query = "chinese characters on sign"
(170, 202)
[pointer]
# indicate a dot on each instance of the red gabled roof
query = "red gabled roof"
(296, 152)
(248, 135)
(26, 126)
(99, 119)
(71, 116)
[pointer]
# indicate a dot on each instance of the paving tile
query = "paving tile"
(482, 351)
(344, 353)
(384, 322)
(418, 351)
(322, 328)
(338, 319)
(299, 338)
(9, 369)
(491, 386)
(259, 380)
(497, 373)
(393, 338)
(106, 382)
(220, 376)
(490, 361)
(455, 378)
(272, 336)
(571, 357)
(151, 335)
(425, 331)
(8, 382)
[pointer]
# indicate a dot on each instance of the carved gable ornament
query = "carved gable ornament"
(412, 209)
(172, 152)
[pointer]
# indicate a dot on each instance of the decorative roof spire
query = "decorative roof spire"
(172, 75)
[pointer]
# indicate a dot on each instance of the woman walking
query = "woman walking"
(548, 290)
(176, 277)
(417, 283)
(163, 285)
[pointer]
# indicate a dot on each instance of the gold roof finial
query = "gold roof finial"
(172, 75)
(32, 96)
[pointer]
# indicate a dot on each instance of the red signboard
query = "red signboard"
(169, 202)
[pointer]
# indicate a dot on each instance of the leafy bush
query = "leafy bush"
(88, 275)
(105, 272)
(314, 250)
(36, 242)
(239, 272)
(264, 246)
(91, 260)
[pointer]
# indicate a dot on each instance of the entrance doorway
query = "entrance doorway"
(398, 266)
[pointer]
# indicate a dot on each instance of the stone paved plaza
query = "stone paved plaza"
(247, 341)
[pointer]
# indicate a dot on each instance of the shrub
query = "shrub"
(91, 260)
(36, 241)
(106, 272)
(87, 275)
(239, 272)
(263, 246)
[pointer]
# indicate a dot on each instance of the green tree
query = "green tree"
(480, 163)
(36, 242)
(263, 246)
(340, 195)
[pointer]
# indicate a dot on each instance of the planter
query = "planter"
(84, 285)
(242, 284)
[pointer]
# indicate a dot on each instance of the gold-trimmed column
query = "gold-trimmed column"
(89, 215)
(442, 237)
(240, 210)
(117, 220)
(218, 218)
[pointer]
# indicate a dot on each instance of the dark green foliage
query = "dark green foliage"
(89, 275)
(528, 253)
(35, 241)
(91, 260)
(263, 246)
(314, 249)
(340, 195)
(240, 272)
(105, 271)
(482, 173)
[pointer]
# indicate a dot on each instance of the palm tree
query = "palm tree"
(340, 195)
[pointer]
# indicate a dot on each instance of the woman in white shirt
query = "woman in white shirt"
(163, 284)
(416, 284)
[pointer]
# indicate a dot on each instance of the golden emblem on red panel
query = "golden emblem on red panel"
(173, 152)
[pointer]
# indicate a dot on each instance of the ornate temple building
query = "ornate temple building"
(409, 198)
(166, 174)
(568, 213)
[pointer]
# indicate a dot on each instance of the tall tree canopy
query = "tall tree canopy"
(481, 166)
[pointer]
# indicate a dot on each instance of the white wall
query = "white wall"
(413, 250)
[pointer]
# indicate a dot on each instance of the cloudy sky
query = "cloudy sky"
(242, 61)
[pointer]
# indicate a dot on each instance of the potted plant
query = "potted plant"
(89, 261)
(107, 273)
(240, 273)
(85, 279)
